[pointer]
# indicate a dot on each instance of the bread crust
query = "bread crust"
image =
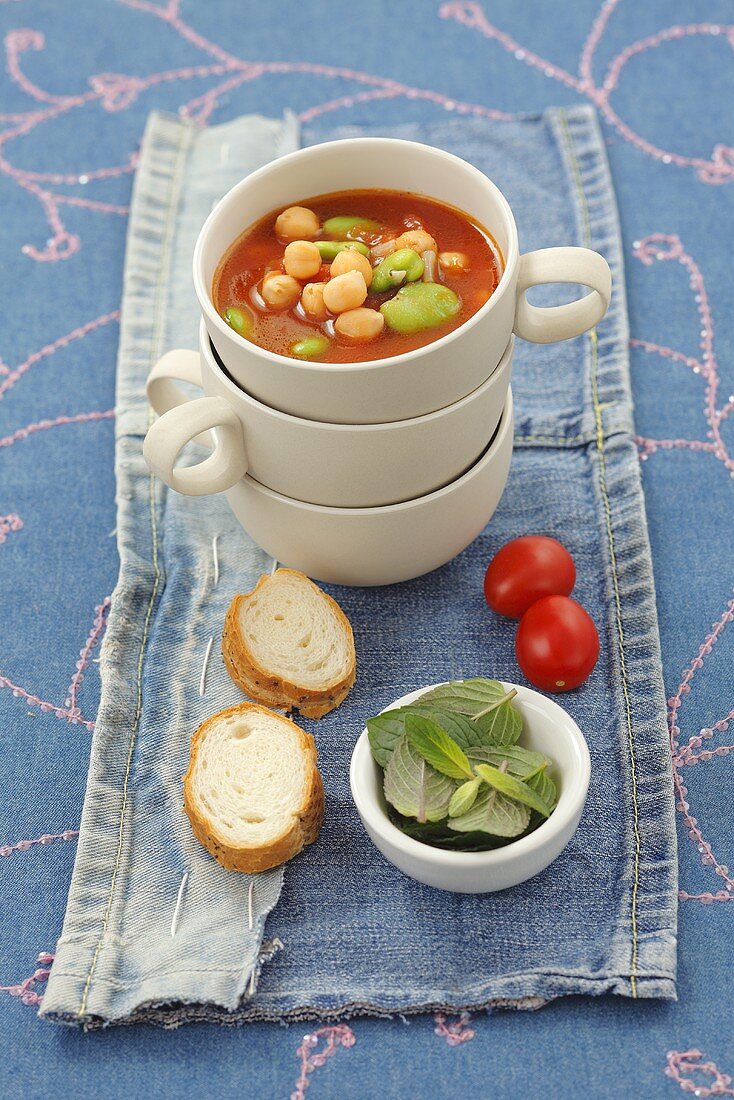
(274, 691)
(306, 821)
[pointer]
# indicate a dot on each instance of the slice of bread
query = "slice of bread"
(252, 792)
(287, 644)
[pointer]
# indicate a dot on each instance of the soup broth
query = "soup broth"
(356, 275)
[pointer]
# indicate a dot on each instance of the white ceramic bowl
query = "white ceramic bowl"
(368, 546)
(418, 382)
(339, 465)
(547, 729)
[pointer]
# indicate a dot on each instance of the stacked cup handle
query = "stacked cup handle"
(182, 420)
(546, 324)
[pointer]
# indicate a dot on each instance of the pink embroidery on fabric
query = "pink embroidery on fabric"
(70, 711)
(9, 523)
(42, 425)
(115, 92)
(692, 1074)
(340, 1035)
(16, 43)
(200, 109)
(345, 101)
(76, 334)
(718, 169)
(47, 838)
(647, 447)
(454, 1031)
(98, 626)
(383, 88)
(44, 705)
(707, 897)
(661, 247)
(686, 756)
(24, 989)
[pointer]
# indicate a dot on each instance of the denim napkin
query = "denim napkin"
(155, 929)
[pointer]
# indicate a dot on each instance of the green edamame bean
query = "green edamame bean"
(311, 347)
(419, 306)
(238, 319)
(405, 259)
(329, 249)
(348, 226)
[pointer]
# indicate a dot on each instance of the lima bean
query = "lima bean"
(419, 306)
(405, 259)
(238, 319)
(345, 226)
(330, 249)
(311, 347)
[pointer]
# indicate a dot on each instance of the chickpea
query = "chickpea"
(312, 300)
(297, 223)
(345, 292)
(454, 261)
(280, 291)
(351, 261)
(418, 240)
(358, 326)
(302, 259)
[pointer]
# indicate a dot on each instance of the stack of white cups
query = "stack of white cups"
(373, 472)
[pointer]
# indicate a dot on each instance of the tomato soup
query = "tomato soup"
(356, 276)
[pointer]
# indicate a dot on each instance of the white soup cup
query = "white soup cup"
(371, 546)
(340, 465)
(442, 372)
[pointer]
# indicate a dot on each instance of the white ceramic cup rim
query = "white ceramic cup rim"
(505, 425)
(239, 393)
(546, 833)
(286, 163)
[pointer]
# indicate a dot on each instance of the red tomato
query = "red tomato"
(524, 571)
(557, 644)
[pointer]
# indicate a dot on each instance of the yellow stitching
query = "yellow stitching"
(560, 440)
(151, 602)
(615, 579)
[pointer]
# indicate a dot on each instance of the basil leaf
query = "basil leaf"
(493, 813)
(436, 747)
(471, 698)
(413, 787)
(513, 788)
(384, 731)
(460, 729)
(520, 762)
(453, 713)
(438, 835)
(464, 797)
(544, 786)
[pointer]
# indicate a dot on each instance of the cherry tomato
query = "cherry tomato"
(524, 571)
(557, 644)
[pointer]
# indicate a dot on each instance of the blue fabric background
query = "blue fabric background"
(61, 564)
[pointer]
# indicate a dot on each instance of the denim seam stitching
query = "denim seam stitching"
(599, 420)
(175, 184)
(559, 440)
(566, 975)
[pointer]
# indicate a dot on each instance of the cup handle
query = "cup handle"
(181, 420)
(546, 324)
